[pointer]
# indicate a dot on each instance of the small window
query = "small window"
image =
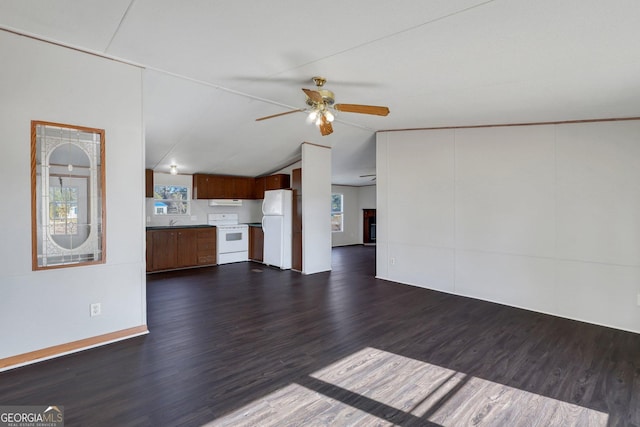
(171, 200)
(337, 215)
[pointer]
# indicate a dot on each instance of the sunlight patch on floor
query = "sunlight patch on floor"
(295, 405)
(379, 388)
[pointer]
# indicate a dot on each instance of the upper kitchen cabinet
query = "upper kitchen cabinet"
(278, 181)
(243, 187)
(259, 186)
(207, 186)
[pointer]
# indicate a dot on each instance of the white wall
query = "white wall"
(541, 217)
(39, 309)
(355, 199)
(316, 207)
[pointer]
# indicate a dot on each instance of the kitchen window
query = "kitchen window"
(337, 215)
(171, 200)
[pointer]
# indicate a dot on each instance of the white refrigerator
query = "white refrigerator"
(277, 224)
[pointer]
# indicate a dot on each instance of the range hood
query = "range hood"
(225, 202)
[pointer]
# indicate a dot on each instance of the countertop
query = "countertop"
(167, 227)
(255, 224)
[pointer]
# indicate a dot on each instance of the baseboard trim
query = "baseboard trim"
(71, 347)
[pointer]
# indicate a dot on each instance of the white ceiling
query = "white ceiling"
(214, 66)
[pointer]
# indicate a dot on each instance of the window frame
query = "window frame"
(340, 212)
(47, 139)
(186, 201)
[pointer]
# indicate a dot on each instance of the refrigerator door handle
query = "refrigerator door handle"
(262, 224)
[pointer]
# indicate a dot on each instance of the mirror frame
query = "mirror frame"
(39, 180)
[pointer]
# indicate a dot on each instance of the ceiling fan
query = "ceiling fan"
(322, 106)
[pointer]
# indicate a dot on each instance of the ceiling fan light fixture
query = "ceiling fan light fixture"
(321, 107)
(329, 116)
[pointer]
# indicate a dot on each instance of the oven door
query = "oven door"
(233, 244)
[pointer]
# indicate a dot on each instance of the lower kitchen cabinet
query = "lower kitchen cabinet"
(256, 244)
(168, 249)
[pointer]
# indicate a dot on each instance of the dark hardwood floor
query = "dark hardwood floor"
(245, 344)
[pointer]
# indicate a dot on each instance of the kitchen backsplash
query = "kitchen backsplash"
(249, 212)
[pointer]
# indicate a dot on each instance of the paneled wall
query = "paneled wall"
(316, 206)
(541, 217)
(40, 309)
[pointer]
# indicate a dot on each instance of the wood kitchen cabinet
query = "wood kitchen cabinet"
(162, 250)
(148, 183)
(207, 186)
(243, 187)
(296, 235)
(256, 243)
(172, 248)
(206, 247)
(258, 187)
(279, 181)
(187, 247)
(201, 184)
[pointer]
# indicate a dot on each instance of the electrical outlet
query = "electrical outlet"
(638, 301)
(393, 261)
(96, 309)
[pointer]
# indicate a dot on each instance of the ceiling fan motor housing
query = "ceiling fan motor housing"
(328, 98)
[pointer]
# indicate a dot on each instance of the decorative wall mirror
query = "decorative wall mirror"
(67, 195)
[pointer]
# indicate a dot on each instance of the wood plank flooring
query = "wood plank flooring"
(245, 344)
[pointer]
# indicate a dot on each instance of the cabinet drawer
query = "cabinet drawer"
(206, 245)
(207, 258)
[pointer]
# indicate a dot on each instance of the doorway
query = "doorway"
(369, 226)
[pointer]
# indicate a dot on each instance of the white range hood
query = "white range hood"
(225, 202)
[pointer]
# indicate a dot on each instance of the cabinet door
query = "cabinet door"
(164, 249)
(187, 248)
(296, 180)
(243, 188)
(220, 187)
(259, 188)
(277, 182)
(256, 243)
(201, 184)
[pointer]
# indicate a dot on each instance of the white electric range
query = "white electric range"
(232, 243)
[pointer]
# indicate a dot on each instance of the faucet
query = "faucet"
(172, 222)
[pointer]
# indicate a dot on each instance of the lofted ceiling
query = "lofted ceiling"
(213, 66)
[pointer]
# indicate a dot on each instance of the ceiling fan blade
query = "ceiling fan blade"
(325, 127)
(279, 114)
(362, 109)
(314, 95)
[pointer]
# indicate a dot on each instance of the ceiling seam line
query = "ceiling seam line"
(239, 93)
(115, 33)
(406, 30)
